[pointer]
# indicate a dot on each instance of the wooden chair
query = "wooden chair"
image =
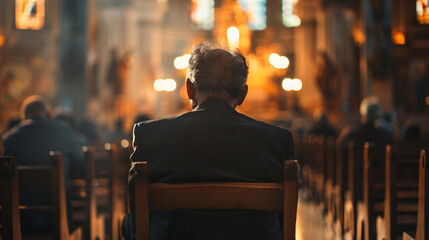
(216, 196)
(9, 200)
(49, 177)
(422, 230)
(401, 194)
(101, 201)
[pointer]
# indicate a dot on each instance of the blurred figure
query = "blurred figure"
(387, 122)
(118, 133)
(12, 123)
(90, 131)
(367, 130)
(69, 117)
(30, 142)
(212, 143)
(321, 126)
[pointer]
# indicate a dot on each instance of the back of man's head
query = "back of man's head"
(370, 109)
(214, 69)
(35, 106)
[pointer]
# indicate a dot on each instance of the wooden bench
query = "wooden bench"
(401, 194)
(373, 192)
(10, 227)
(422, 230)
(216, 196)
(49, 177)
(353, 165)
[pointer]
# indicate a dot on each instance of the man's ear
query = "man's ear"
(243, 95)
(190, 89)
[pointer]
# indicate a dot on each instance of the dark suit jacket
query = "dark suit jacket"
(213, 143)
(30, 142)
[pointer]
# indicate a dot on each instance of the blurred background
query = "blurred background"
(113, 60)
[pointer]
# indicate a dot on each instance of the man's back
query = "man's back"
(36, 137)
(30, 142)
(213, 143)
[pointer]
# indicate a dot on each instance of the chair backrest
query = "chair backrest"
(402, 181)
(423, 209)
(217, 196)
(50, 177)
(102, 183)
(9, 200)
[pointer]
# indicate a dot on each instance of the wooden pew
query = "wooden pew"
(10, 227)
(353, 164)
(340, 187)
(330, 183)
(373, 192)
(244, 196)
(422, 230)
(49, 177)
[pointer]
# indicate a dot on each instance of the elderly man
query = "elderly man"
(212, 143)
(30, 142)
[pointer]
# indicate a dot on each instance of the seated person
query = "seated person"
(30, 142)
(212, 143)
(367, 131)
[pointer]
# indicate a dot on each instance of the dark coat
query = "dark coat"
(30, 142)
(213, 143)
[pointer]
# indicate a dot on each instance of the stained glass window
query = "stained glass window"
(289, 18)
(29, 14)
(422, 10)
(256, 13)
(202, 14)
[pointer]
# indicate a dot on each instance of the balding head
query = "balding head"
(216, 71)
(35, 106)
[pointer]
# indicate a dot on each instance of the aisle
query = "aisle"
(311, 224)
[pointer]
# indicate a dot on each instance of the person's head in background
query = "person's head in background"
(215, 72)
(35, 106)
(370, 110)
(68, 116)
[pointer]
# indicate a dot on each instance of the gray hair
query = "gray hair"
(214, 69)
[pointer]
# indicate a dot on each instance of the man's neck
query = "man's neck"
(214, 96)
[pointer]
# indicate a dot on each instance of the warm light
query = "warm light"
(84, 148)
(125, 143)
(427, 100)
(297, 84)
(107, 146)
(2, 40)
(168, 85)
(273, 58)
(158, 85)
(29, 14)
(399, 38)
(292, 21)
(277, 61)
(289, 84)
(233, 34)
(182, 62)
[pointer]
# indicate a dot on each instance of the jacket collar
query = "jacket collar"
(215, 105)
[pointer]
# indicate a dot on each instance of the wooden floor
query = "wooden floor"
(311, 224)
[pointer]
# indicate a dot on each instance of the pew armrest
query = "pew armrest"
(407, 236)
